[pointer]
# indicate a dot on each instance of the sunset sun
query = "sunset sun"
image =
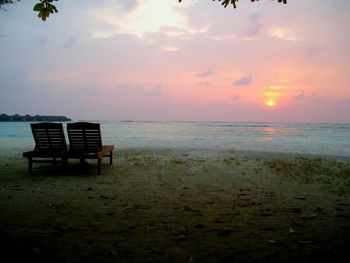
(270, 103)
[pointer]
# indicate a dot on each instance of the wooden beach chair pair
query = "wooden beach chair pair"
(85, 142)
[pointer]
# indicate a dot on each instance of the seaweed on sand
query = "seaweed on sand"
(334, 174)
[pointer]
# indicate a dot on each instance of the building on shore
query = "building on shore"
(27, 117)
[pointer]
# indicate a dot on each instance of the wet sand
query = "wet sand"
(159, 205)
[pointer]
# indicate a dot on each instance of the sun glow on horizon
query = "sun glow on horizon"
(270, 103)
(275, 95)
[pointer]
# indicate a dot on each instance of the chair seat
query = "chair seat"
(44, 154)
(106, 149)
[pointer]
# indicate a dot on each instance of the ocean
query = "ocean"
(323, 138)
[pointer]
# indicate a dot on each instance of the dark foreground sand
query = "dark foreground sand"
(157, 205)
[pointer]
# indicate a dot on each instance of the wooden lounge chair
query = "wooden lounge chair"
(85, 142)
(50, 143)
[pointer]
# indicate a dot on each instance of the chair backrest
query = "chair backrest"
(49, 137)
(84, 137)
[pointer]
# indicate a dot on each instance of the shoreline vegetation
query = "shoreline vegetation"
(177, 205)
(27, 117)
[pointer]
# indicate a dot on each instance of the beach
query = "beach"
(177, 205)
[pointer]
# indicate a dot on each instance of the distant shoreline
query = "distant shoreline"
(29, 118)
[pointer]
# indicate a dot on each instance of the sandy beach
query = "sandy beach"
(166, 205)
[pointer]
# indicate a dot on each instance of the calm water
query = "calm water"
(329, 139)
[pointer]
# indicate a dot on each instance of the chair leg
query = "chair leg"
(65, 162)
(111, 158)
(99, 166)
(30, 165)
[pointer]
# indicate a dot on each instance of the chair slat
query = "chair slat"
(49, 136)
(84, 137)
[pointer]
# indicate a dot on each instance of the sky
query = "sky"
(160, 60)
